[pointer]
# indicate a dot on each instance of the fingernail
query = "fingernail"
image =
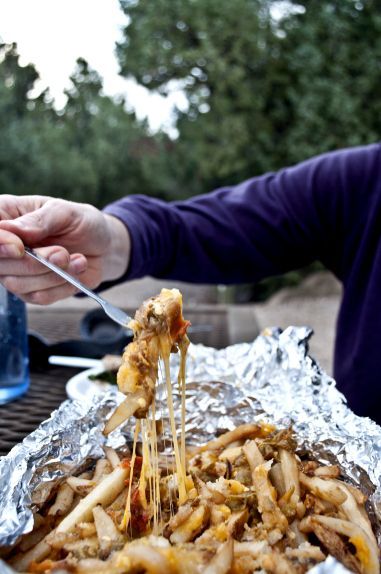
(59, 258)
(79, 265)
(10, 250)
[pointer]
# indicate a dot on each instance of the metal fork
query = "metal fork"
(113, 312)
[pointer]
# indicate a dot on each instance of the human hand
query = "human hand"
(77, 237)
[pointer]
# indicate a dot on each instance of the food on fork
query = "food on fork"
(159, 329)
(253, 505)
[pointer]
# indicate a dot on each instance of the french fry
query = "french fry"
(352, 511)
(120, 501)
(366, 551)
(122, 413)
(39, 520)
(242, 432)
(42, 493)
(231, 453)
(102, 468)
(236, 522)
(359, 496)
(325, 489)
(21, 561)
(252, 549)
(108, 535)
(58, 540)
(85, 529)
(111, 362)
(192, 526)
(34, 537)
(85, 546)
(104, 493)
(81, 486)
(267, 505)
(91, 565)
(63, 501)
(146, 558)
(221, 562)
(299, 537)
(306, 552)
(112, 456)
(253, 454)
(329, 471)
(290, 474)
(277, 479)
(274, 562)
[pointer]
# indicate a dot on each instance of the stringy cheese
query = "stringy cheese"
(127, 513)
(180, 470)
(150, 465)
(155, 340)
(181, 382)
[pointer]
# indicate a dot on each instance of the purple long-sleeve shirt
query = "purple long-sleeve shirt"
(327, 208)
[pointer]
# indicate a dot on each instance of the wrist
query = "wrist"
(117, 258)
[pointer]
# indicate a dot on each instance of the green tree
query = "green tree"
(34, 153)
(94, 150)
(16, 82)
(332, 52)
(263, 92)
(215, 50)
(120, 154)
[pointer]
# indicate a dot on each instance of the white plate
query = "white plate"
(80, 387)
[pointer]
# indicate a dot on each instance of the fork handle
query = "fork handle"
(65, 275)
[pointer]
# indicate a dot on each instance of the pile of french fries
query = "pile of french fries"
(253, 505)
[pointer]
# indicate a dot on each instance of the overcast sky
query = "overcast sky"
(52, 34)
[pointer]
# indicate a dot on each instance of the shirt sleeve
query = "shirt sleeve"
(264, 226)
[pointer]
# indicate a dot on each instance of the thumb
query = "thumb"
(35, 226)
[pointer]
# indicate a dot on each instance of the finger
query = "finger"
(12, 206)
(10, 245)
(49, 296)
(51, 219)
(23, 285)
(92, 275)
(29, 266)
(89, 277)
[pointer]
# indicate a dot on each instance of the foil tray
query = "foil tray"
(272, 379)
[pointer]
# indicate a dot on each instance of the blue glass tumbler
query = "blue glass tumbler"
(14, 357)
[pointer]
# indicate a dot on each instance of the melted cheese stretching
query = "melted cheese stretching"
(180, 469)
(127, 512)
(181, 380)
(146, 470)
(159, 329)
(156, 476)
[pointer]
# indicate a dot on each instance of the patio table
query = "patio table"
(47, 383)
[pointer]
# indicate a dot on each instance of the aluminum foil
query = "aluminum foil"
(272, 379)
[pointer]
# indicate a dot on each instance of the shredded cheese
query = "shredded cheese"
(127, 512)
(180, 469)
(181, 381)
